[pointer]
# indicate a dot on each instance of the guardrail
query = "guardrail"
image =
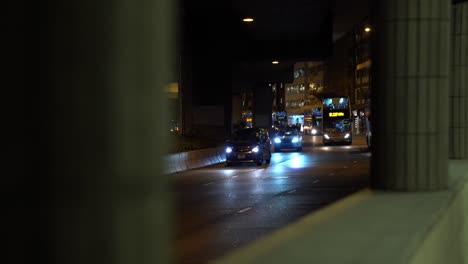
(182, 161)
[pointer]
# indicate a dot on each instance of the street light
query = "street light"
(275, 62)
(367, 29)
(248, 19)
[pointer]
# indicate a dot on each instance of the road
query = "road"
(220, 208)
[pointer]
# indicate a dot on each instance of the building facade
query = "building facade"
(304, 93)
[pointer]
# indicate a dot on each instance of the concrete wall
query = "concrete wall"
(178, 162)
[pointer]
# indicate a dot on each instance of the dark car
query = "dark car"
(249, 145)
(289, 138)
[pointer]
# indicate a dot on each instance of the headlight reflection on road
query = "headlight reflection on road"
(278, 169)
(276, 158)
(297, 163)
(228, 173)
(258, 173)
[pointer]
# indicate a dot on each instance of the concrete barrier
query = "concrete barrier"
(375, 227)
(178, 162)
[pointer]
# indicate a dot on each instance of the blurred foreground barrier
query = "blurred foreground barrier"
(194, 159)
(372, 227)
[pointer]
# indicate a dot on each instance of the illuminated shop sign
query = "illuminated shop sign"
(335, 114)
(249, 120)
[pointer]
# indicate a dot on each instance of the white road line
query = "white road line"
(315, 181)
(292, 191)
(235, 176)
(244, 210)
(331, 174)
(208, 183)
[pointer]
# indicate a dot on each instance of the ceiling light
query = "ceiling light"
(248, 19)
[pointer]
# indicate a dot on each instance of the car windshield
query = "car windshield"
(287, 133)
(246, 135)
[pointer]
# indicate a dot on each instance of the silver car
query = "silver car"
(288, 139)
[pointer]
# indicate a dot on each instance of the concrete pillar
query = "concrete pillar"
(263, 102)
(103, 123)
(458, 133)
(410, 94)
(236, 113)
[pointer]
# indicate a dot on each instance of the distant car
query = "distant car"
(289, 138)
(249, 145)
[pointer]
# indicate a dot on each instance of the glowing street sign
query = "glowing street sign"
(335, 114)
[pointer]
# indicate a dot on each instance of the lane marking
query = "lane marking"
(235, 176)
(315, 181)
(354, 161)
(292, 191)
(244, 210)
(331, 174)
(208, 183)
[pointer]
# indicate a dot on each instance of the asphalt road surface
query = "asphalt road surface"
(220, 208)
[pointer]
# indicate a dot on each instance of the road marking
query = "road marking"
(244, 210)
(235, 176)
(315, 181)
(354, 161)
(292, 191)
(331, 174)
(345, 167)
(208, 183)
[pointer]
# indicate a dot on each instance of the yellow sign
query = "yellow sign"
(249, 120)
(335, 114)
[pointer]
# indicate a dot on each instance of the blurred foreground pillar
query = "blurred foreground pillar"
(104, 198)
(458, 133)
(410, 96)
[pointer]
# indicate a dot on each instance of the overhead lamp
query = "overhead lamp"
(248, 19)
(275, 62)
(367, 29)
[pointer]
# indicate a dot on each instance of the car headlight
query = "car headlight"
(326, 136)
(294, 140)
(346, 136)
(255, 149)
(314, 131)
(228, 150)
(277, 140)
